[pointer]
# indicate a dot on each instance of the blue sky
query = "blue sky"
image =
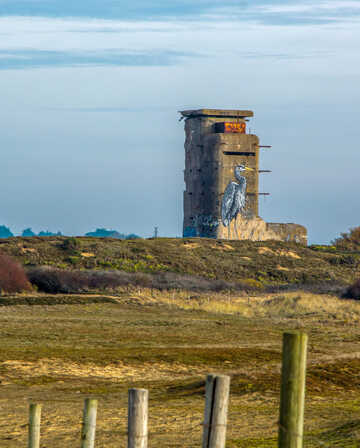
(90, 92)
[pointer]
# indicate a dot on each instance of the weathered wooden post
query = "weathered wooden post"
(89, 423)
(217, 390)
(292, 394)
(34, 425)
(138, 418)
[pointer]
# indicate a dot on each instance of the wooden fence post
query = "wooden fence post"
(217, 397)
(292, 393)
(138, 418)
(34, 425)
(89, 423)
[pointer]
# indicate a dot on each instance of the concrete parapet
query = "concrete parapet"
(289, 232)
(253, 229)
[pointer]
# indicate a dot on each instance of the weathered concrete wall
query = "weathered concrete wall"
(232, 150)
(289, 231)
(254, 229)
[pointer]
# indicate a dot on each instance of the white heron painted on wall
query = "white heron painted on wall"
(234, 199)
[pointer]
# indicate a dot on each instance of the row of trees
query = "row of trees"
(103, 233)
(5, 232)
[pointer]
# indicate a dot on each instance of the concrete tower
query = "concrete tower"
(216, 143)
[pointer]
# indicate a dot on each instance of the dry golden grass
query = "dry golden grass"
(284, 305)
(58, 354)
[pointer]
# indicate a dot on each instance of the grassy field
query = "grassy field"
(57, 350)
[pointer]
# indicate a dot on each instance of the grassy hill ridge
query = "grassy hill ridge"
(260, 263)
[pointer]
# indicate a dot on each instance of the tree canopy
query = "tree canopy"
(349, 240)
(5, 232)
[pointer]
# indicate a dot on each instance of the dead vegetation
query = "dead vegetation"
(54, 281)
(12, 276)
(353, 291)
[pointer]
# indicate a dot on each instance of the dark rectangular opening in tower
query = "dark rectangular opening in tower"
(237, 153)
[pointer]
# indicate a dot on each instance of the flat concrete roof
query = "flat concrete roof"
(217, 113)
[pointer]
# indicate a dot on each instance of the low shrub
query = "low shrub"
(70, 245)
(12, 276)
(54, 280)
(353, 291)
(341, 260)
(171, 280)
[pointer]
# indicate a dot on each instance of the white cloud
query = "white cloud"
(310, 7)
(207, 38)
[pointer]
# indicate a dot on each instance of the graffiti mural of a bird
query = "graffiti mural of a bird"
(234, 199)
